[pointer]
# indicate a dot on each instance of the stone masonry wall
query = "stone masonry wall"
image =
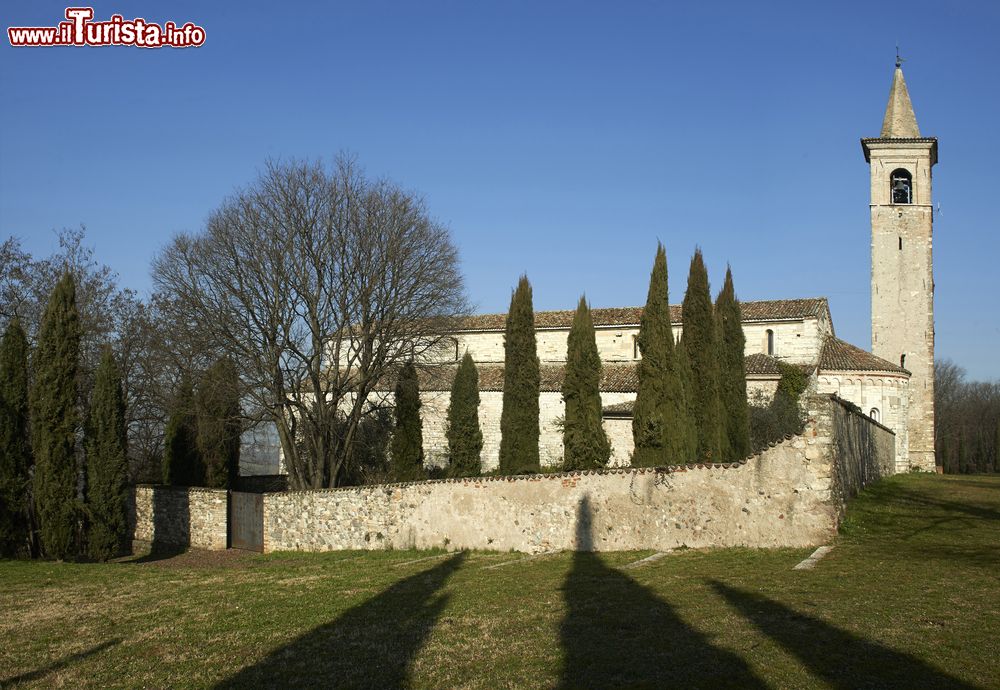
(179, 517)
(863, 451)
(792, 494)
(884, 396)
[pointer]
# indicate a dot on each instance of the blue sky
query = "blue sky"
(557, 139)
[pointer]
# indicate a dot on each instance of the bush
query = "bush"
(774, 419)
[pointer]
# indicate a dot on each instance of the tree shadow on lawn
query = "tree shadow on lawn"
(58, 665)
(618, 633)
(369, 646)
(840, 658)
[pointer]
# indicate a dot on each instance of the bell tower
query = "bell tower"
(902, 270)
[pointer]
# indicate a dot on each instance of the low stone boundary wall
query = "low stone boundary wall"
(176, 517)
(863, 450)
(792, 494)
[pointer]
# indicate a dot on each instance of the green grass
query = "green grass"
(908, 598)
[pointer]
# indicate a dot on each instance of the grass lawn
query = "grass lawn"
(910, 597)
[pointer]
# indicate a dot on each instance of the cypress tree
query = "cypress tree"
(182, 464)
(55, 421)
(585, 445)
(465, 439)
(689, 440)
(661, 423)
(407, 437)
(107, 463)
(700, 339)
(521, 381)
(733, 384)
(217, 407)
(15, 451)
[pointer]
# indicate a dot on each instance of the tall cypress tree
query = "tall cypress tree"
(661, 425)
(701, 341)
(585, 445)
(182, 463)
(465, 439)
(408, 437)
(55, 421)
(733, 383)
(107, 463)
(521, 381)
(217, 407)
(686, 377)
(15, 451)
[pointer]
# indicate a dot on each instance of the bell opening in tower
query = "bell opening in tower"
(901, 186)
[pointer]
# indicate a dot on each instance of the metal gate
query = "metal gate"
(246, 521)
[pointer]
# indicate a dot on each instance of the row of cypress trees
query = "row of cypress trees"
(57, 496)
(465, 438)
(691, 404)
(201, 443)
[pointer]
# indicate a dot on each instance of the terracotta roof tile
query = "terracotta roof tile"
(839, 355)
(622, 409)
(760, 310)
(759, 364)
(615, 378)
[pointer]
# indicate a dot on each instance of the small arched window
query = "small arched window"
(874, 414)
(901, 186)
(770, 342)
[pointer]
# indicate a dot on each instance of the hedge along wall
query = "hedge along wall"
(179, 517)
(792, 494)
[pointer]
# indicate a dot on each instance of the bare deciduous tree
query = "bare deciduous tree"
(967, 427)
(318, 283)
(109, 315)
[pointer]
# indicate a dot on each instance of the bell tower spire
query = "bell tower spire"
(900, 121)
(902, 281)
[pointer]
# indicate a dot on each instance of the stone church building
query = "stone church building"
(893, 384)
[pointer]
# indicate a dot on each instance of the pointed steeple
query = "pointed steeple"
(900, 122)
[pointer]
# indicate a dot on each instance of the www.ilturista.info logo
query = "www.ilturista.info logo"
(80, 30)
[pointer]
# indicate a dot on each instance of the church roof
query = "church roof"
(839, 355)
(616, 377)
(900, 121)
(760, 310)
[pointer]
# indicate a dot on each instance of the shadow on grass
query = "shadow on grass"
(840, 658)
(58, 665)
(618, 633)
(160, 553)
(369, 646)
(922, 500)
